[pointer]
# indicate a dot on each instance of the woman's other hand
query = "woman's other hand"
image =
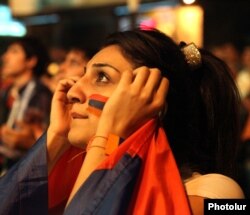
(57, 140)
(139, 96)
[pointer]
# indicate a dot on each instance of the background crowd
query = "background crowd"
(30, 72)
(28, 80)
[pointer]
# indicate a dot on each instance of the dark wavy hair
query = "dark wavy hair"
(202, 122)
(33, 47)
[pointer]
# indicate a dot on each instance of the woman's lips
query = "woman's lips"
(75, 115)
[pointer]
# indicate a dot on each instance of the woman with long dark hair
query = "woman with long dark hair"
(109, 145)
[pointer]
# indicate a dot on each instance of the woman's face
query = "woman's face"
(102, 75)
(14, 61)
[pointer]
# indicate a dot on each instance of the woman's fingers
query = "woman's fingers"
(150, 85)
(161, 93)
(126, 79)
(139, 96)
(153, 81)
(62, 88)
(141, 76)
(146, 84)
(163, 88)
(66, 84)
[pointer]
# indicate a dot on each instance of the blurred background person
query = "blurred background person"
(229, 53)
(243, 78)
(25, 103)
(73, 65)
(243, 83)
(239, 64)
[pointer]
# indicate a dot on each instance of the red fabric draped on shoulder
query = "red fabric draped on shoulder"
(158, 187)
(62, 178)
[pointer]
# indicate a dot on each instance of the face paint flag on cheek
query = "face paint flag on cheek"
(96, 104)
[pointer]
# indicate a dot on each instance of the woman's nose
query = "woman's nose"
(76, 94)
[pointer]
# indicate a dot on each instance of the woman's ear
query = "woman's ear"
(31, 62)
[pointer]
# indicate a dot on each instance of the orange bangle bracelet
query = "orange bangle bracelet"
(111, 144)
(91, 140)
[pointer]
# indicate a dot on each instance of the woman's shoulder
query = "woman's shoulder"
(213, 185)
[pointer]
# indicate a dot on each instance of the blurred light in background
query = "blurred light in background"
(182, 23)
(133, 5)
(24, 7)
(9, 26)
(41, 19)
(53, 68)
(188, 1)
(190, 24)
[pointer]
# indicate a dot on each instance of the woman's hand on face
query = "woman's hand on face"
(139, 96)
(57, 134)
(60, 116)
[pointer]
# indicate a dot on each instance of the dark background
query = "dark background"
(224, 21)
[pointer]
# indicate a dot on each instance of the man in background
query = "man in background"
(25, 103)
(73, 65)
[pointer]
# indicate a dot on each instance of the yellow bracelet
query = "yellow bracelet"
(91, 140)
(112, 142)
(92, 146)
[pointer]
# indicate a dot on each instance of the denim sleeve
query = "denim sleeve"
(24, 188)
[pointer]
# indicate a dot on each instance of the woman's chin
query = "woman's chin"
(77, 140)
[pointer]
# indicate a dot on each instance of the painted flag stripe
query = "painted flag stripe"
(96, 104)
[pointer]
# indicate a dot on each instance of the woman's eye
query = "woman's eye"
(102, 77)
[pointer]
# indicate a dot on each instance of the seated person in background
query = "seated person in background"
(73, 65)
(108, 147)
(25, 104)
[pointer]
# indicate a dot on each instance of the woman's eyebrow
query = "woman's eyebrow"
(105, 65)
